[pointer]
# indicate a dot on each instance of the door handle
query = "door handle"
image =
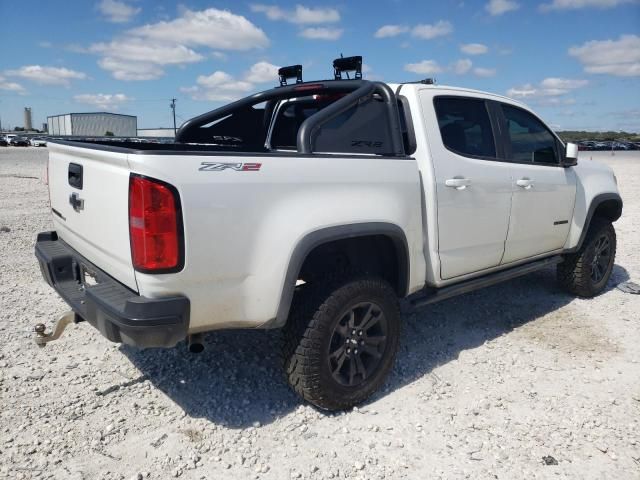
(525, 183)
(458, 183)
(75, 175)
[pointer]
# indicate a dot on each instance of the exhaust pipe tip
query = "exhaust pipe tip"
(195, 343)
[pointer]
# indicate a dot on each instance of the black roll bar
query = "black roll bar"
(311, 125)
(358, 89)
(279, 93)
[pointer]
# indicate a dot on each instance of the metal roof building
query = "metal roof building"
(156, 132)
(95, 124)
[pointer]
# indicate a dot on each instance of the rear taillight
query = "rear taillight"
(155, 226)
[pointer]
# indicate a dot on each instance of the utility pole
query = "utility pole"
(173, 108)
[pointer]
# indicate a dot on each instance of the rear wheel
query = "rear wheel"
(341, 340)
(586, 272)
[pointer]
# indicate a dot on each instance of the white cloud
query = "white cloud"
(11, 86)
(577, 4)
(499, 7)
(548, 88)
(462, 66)
(523, 91)
(136, 59)
(321, 33)
(484, 72)
(562, 85)
(425, 67)
(45, 44)
(262, 72)
(130, 70)
(105, 101)
(116, 11)
(224, 84)
(47, 75)
(300, 15)
(428, 32)
(387, 31)
(138, 50)
(213, 28)
(141, 53)
(474, 48)
(614, 57)
(221, 86)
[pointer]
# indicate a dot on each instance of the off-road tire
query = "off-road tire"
(316, 312)
(575, 272)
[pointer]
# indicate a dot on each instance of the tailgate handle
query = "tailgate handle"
(75, 175)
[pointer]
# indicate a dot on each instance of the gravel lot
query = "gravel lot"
(485, 386)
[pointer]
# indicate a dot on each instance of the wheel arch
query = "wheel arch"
(313, 240)
(605, 205)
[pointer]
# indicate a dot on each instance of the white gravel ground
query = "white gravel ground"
(485, 386)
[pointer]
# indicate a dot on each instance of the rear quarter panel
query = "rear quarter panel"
(241, 227)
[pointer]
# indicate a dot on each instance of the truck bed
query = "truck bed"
(167, 148)
(242, 213)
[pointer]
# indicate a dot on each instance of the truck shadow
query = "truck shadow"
(237, 381)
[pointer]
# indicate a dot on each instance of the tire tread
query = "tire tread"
(308, 324)
(574, 273)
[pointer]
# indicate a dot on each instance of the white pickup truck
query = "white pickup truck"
(313, 207)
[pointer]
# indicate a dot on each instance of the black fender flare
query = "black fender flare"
(593, 206)
(329, 234)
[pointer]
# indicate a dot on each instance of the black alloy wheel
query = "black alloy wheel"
(357, 344)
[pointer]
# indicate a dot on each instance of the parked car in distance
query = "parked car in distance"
(38, 142)
(19, 142)
(8, 137)
(3, 142)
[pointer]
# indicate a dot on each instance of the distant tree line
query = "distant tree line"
(576, 136)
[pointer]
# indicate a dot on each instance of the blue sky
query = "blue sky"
(576, 62)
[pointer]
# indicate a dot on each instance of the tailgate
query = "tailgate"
(93, 217)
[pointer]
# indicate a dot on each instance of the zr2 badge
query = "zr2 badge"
(238, 167)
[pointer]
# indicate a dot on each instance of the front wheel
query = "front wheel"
(586, 272)
(341, 340)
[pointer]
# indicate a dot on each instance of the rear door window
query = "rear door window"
(465, 126)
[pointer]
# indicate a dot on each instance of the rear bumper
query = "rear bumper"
(120, 314)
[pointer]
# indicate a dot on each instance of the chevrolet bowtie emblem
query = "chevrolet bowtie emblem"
(76, 202)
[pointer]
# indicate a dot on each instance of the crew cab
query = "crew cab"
(313, 207)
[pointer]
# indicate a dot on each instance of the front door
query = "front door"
(543, 191)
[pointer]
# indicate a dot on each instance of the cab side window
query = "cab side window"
(465, 126)
(531, 140)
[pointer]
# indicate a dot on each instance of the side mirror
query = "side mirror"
(571, 155)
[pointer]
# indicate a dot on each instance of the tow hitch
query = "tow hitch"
(43, 338)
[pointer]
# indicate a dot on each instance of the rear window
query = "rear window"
(465, 126)
(363, 128)
(289, 119)
(243, 128)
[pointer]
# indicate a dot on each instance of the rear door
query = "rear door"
(543, 191)
(89, 191)
(473, 185)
